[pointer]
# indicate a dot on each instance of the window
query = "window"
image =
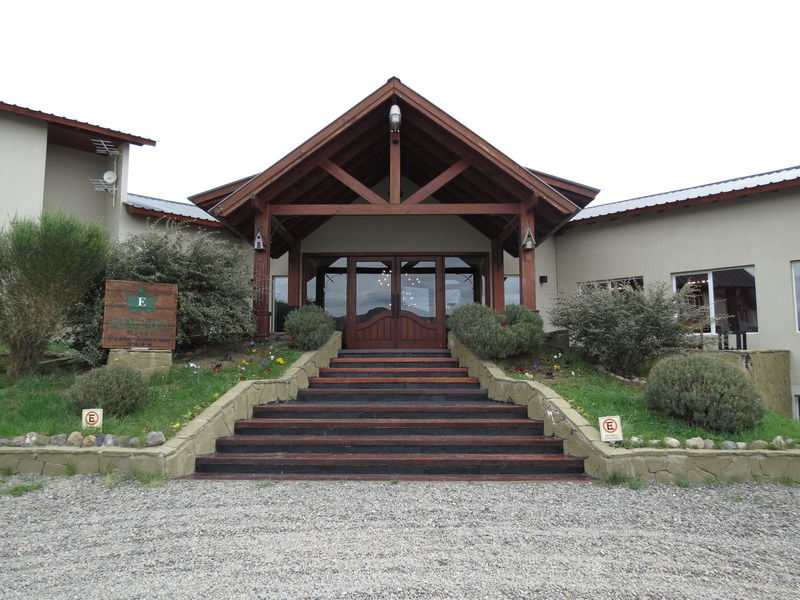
(634, 282)
(511, 289)
(464, 281)
(796, 277)
(729, 294)
(280, 301)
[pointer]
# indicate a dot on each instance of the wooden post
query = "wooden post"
(261, 274)
(527, 262)
(295, 275)
(498, 277)
(394, 167)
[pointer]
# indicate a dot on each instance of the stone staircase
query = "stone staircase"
(391, 415)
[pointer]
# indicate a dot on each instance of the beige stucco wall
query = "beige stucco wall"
(760, 230)
(67, 187)
(23, 154)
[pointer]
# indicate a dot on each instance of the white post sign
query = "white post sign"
(610, 429)
(92, 418)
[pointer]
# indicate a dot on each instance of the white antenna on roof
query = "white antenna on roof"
(105, 147)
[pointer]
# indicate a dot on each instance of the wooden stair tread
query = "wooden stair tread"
(532, 478)
(397, 459)
(395, 359)
(398, 391)
(377, 406)
(258, 422)
(346, 380)
(393, 370)
(401, 440)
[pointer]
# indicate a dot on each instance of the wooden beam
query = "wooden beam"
(438, 182)
(284, 233)
(487, 208)
(261, 276)
(498, 277)
(527, 261)
(351, 182)
(508, 230)
(394, 167)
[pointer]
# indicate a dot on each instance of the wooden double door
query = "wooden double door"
(395, 302)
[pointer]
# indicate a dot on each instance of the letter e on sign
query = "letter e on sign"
(92, 418)
(610, 429)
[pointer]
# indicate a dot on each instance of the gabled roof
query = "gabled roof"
(158, 208)
(710, 192)
(63, 131)
(431, 142)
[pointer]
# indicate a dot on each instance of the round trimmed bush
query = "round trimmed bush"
(308, 327)
(489, 335)
(118, 390)
(704, 392)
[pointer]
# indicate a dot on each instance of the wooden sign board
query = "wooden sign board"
(140, 315)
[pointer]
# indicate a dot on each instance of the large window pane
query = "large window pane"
(511, 289)
(729, 296)
(418, 288)
(464, 281)
(280, 301)
(373, 288)
(326, 286)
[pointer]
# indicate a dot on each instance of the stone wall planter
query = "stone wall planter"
(582, 439)
(175, 457)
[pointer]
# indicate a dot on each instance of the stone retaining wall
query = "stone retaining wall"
(582, 439)
(176, 456)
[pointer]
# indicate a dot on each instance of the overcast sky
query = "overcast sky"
(633, 98)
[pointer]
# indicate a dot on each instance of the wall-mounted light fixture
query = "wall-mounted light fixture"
(258, 242)
(528, 243)
(394, 118)
(542, 278)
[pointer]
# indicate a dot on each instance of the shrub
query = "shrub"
(704, 392)
(490, 335)
(118, 390)
(214, 285)
(308, 327)
(626, 328)
(47, 266)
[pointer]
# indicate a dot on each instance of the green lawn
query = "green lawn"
(595, 394)
(39, 403)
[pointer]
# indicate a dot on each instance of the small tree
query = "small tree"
(214, 285)
(47, 266)
(624, 328)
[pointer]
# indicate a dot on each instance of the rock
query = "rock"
(37, 439)
(741, 445)
(5, 441)
(108, 440)
(121, 440)
(654, 443)
(729, 445)
(790, 442)
(778, 442)
(133, 442)
(99, 438)
(75, 439)
(155, 438)
(759, 444)
(709, 444)
(58, 440)
(89, 440)
(670, 442)
(636, 440)
(696, 442)
(17, 441)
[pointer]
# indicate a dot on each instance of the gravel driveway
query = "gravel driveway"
(196, 539)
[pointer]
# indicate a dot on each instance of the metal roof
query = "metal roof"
(170, 207)
(701, 191)
(67, 122)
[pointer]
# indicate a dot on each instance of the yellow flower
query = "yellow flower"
(176, 425)
(252, 349)
(280, 361)
(216, 395)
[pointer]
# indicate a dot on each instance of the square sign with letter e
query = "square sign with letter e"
(610, 429)
(92, 418)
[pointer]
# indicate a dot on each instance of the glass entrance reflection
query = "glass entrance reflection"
(373, 288)
(418, 288)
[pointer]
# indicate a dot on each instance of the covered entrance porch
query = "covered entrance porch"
(394, 157)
